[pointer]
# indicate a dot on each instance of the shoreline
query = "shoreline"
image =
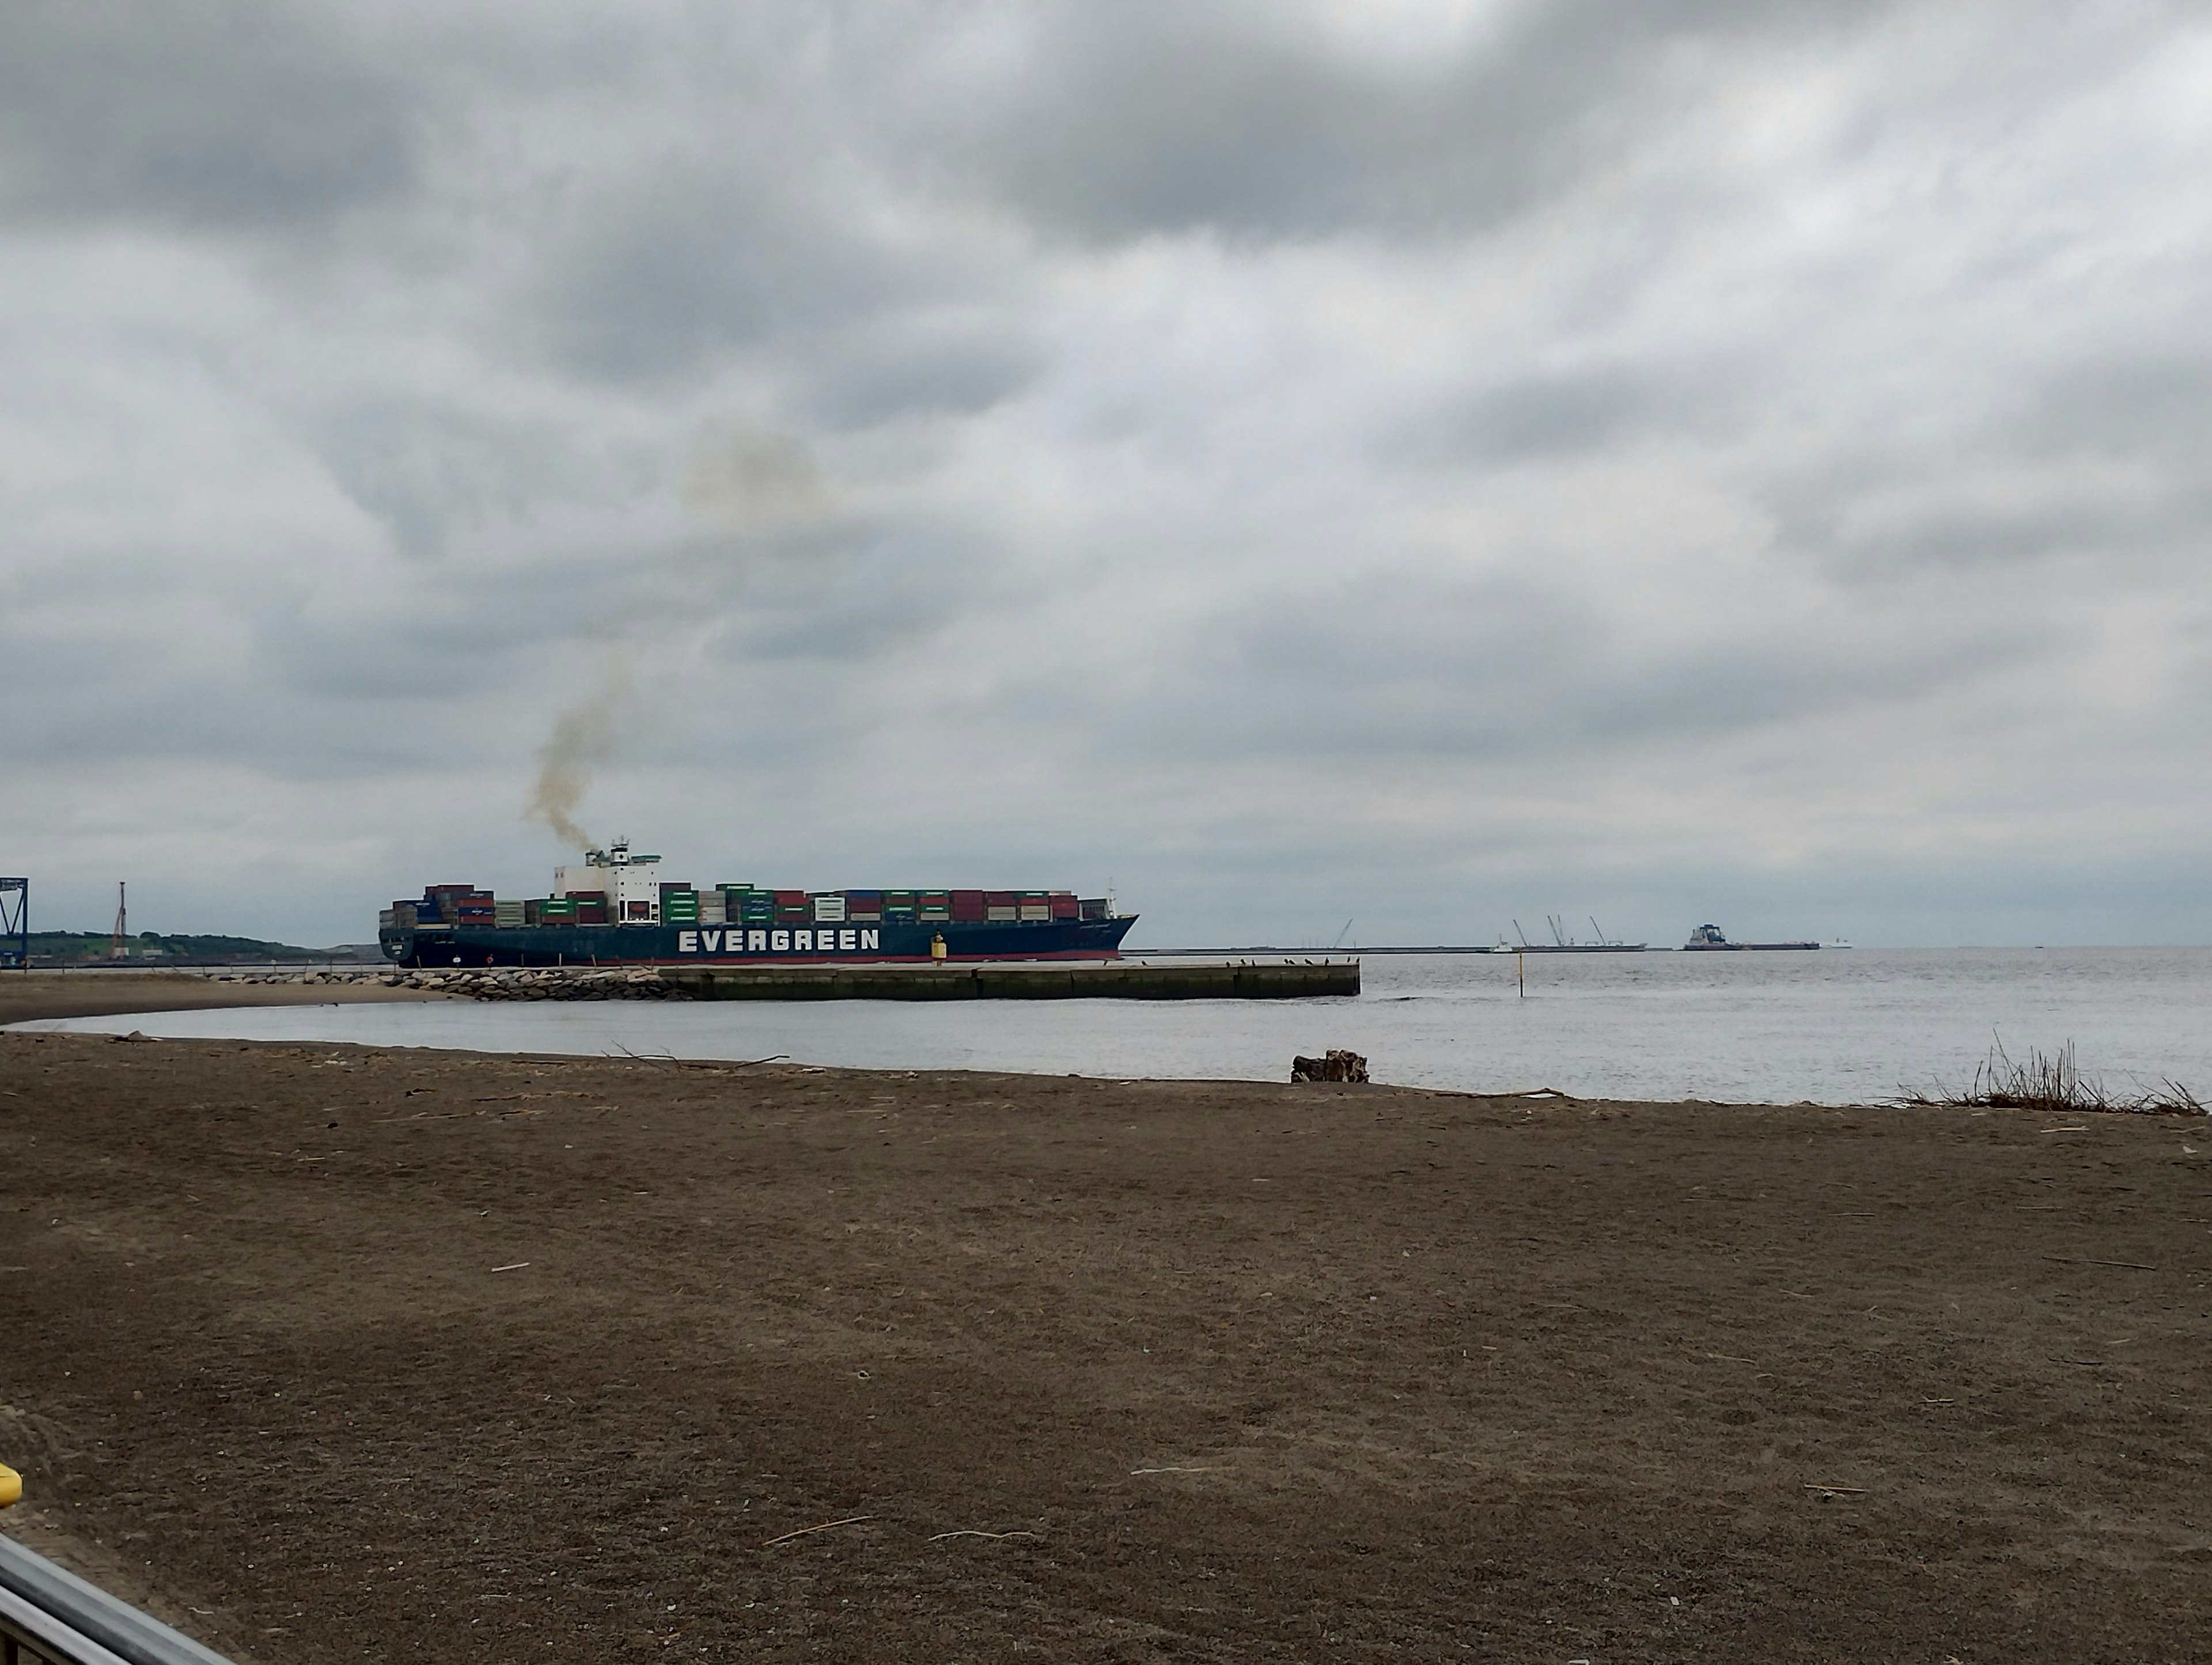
(27, 997)
(1709, 1035)
(334, 1339)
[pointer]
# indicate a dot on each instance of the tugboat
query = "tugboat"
(1707, 939)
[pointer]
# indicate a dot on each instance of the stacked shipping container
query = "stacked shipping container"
(747, 905)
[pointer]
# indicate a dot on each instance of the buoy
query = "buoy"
(11, 1485)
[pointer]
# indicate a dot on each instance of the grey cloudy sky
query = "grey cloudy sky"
(1421, 461)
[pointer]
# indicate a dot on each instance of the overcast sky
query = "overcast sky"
(1420, 462)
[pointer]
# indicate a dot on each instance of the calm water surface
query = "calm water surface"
(1836, 1027)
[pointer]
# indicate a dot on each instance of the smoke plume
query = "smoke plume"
(582, 738)
(755, 496)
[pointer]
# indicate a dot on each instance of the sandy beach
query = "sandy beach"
(25, 996)
(339, 1354)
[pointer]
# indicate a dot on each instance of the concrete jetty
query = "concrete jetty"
(1020, 981)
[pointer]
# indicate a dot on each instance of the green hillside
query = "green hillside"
(152, 947)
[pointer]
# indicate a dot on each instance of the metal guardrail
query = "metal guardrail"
(54, 1616)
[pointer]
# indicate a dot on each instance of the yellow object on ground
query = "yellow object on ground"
(11, 1485)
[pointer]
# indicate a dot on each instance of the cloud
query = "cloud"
(681, 272)
(1352, 455)
(431, 471)
(1256, 121)
(919, 370)
(208, 114)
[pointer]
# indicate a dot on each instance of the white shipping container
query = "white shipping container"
(713, 910)
(828, 910)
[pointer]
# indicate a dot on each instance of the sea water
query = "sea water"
(1835, 1026)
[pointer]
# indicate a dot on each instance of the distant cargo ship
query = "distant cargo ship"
(616, 910)
(1707, 938)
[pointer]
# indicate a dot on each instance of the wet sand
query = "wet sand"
(26, 995)
(372, 1354)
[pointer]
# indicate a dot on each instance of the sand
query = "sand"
(346, 1354)
(26, 995)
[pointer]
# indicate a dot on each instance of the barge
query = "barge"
(1707, 939)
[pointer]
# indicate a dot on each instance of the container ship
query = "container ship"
(616, 910)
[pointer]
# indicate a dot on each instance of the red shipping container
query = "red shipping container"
(1064, 906)
(1001, 898)
(967, 904)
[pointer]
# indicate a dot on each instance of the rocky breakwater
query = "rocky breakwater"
(540, 983)
(295, 979)
(489, 983)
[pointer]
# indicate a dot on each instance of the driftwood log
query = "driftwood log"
(1337, 1066)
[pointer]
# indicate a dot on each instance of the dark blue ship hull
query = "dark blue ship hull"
(435, 946)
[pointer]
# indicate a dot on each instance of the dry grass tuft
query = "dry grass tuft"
(2051, 1083)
